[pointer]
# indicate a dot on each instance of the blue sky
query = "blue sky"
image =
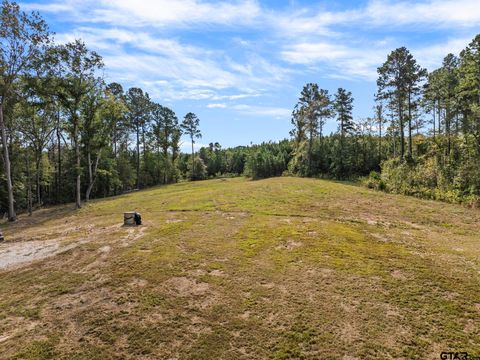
(240, 65)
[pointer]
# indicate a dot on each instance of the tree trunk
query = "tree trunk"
(143, 142)
(448, 130)
(380, 142)
(143, 145)
(92, 174)
(402, 131)
(456, 122)
(59, 174)
(29, 186)
(138, 156)
(159, 165)
(394, 143)
(439, 118)
(310, 145)
(6, 163)
(78, 196)
(114, 140)
(37, 177)
(165, 156)
(410, 141)
(380, 122)
(193, 162)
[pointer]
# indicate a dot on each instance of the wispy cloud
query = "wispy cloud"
(276, 112)
(437, 13)
(158, 14)
(177, 70)
(217, 106)
(237, 55)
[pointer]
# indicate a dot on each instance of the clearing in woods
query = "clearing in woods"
(278, 268)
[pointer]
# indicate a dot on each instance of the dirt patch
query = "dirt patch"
(138, 283)
(19, 324)
(398, 274)
(185, 287)
(217, 272)
(134, 233)
(469, 326)
(15, 254)
(349, 333)
(245, 315)
(4, 338)
(100, 260)
(173, 221)
(289, 245)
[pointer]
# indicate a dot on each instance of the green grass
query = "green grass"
(284, 268)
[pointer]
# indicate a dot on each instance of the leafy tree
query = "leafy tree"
(35, 120)
(399, 82)
(23, 38)
(139, 106)
(120, 130)
(190, 127)
(314, 107)
(165, 129)
(78, 69)
(469, 88)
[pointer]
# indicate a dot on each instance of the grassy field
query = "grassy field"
(231, 269)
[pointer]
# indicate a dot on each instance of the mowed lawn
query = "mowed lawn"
(237, 269)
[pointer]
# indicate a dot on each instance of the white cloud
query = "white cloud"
(312, 19)
(308, 53)
(351, 61)
(158, 13)
(430, 14)
(341, 61)
(217, 106)
(432, 56)
(173, 70)
(438, 13)
(179, 12)
(142, 42)
(253, 110)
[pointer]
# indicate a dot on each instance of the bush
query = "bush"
(427, 177)
(200, 170)
(374, 181)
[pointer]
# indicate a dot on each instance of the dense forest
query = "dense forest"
(422, 139)
(67, 136)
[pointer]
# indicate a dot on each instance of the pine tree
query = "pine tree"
(343, 105)
(190, 126)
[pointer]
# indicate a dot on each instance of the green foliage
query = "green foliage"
(428, 178)
(38, 350)
(374, 181)
(199, 170)
(268, 160)
(71, 136)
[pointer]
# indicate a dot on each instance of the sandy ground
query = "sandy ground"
(21, 253)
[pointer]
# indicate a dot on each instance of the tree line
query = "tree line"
(66, 135)
(422, 139)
